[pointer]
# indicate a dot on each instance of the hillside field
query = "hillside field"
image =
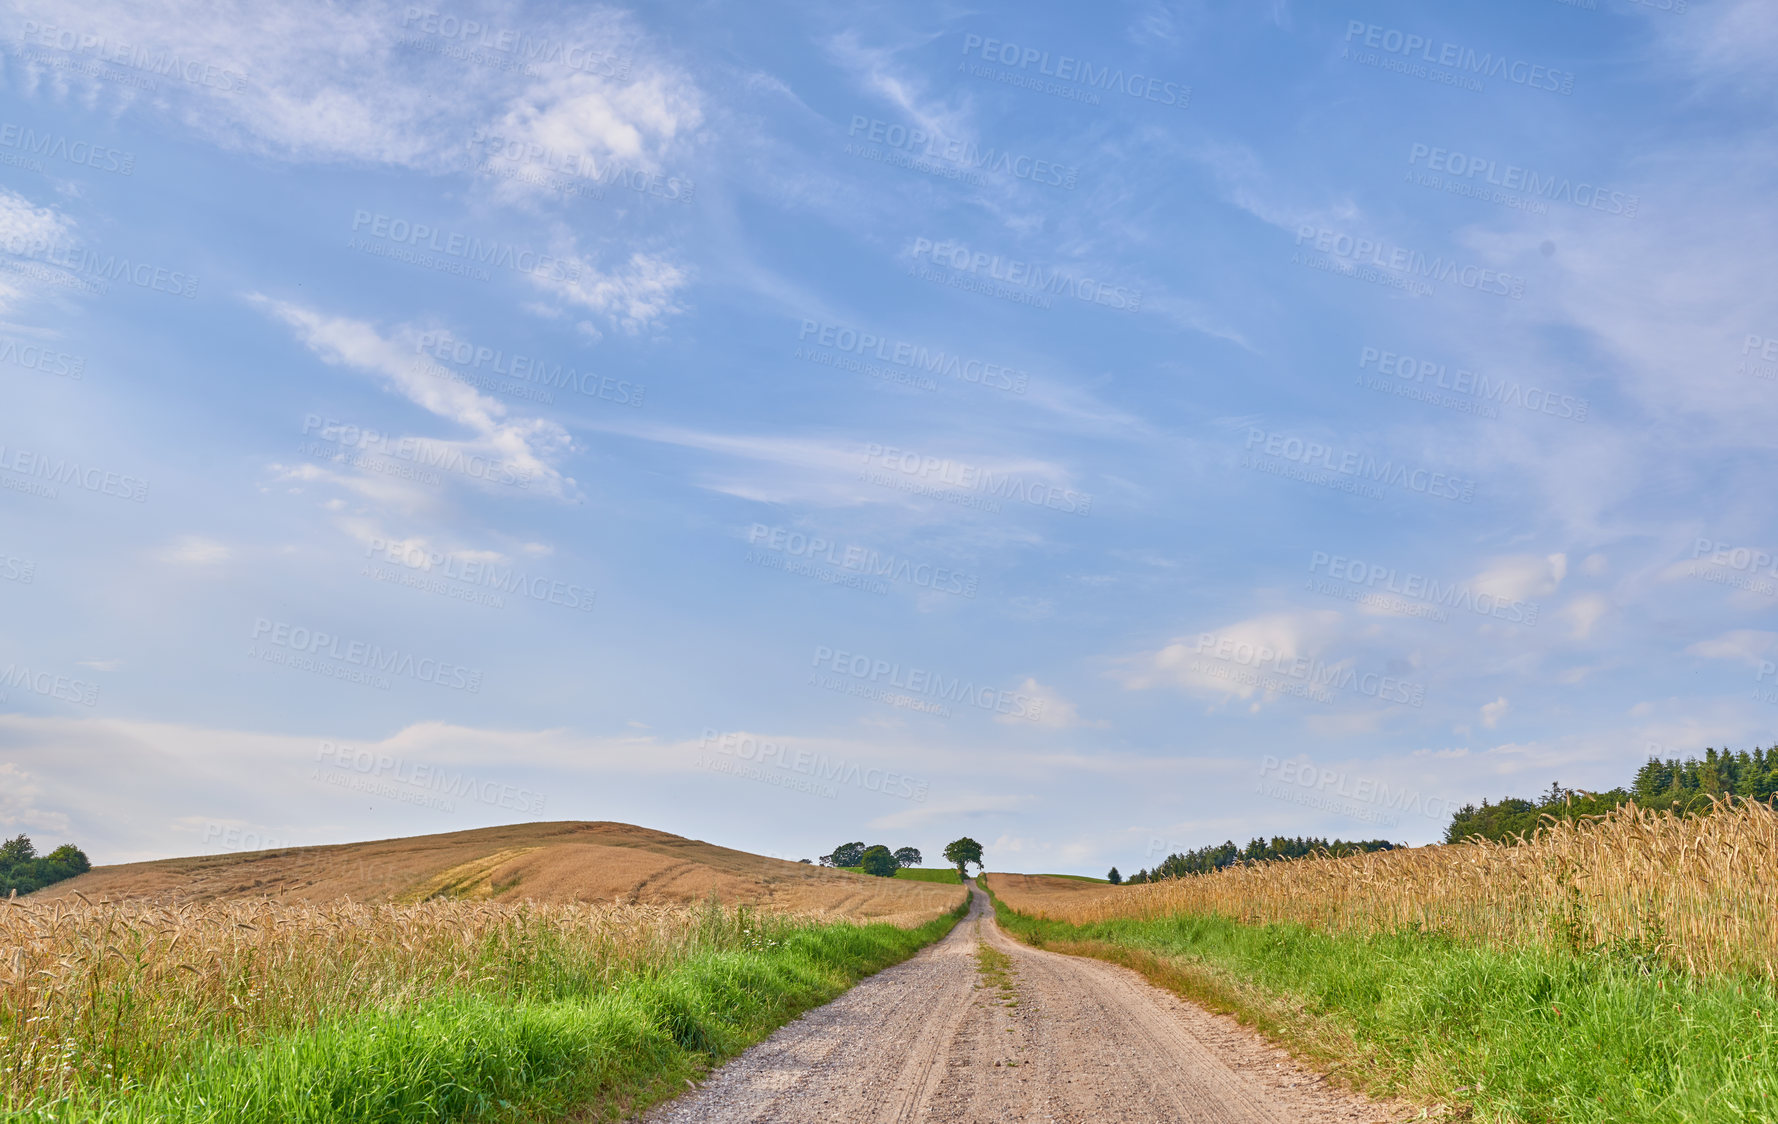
(1615, 969)
(540, 862)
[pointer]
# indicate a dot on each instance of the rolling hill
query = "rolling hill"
(562, 861)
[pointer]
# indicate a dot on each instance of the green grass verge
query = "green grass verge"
(465, 1056)
(1522, 1036)
(947, 874)
(919, 873)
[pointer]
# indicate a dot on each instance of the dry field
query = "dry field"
(1700, 892)
(545, 862)
(99, 991)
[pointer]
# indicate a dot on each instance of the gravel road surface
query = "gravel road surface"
(945, 1038)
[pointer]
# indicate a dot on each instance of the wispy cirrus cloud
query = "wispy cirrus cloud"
(533, 445)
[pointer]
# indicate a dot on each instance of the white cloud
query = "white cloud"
(828, 471)
(313, 81)
(951, 809)
(634, 295)
(1052, 709)
(902, 88)
(1748, 645)
(195, 550)
(529, 445)
(1584, 612)
(28, 230)
(128, 789)
(1522, 577)
(1235, 659)
(19, 793)
(1724, 43)
(1493, 712)
(23, 224)
(572, 114)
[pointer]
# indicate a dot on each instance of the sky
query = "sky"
(1101, 432)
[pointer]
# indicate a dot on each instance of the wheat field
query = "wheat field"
(113, 994)
(1698, 892)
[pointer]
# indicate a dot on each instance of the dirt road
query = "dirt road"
(1013, 1034)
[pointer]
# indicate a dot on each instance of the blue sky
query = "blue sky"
(1100, 434)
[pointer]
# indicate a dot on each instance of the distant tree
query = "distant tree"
(1114, 877)
(17, 850)
(908, 856)
(1205, 860)
(879, 861)
(961, 852)
(846, 854)
(23, 870)
(69, 856)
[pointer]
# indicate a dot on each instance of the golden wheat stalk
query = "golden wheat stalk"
(1699, 891)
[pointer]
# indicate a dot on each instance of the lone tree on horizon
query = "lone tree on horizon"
(961, 852)
(846, 854)
(879, 861)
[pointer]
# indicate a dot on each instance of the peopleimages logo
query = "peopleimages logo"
(416, 450)
(35, 357)
(371, 658)
(1315, 676)
(929, 470)
(522, 49)
(48, 684)
(61, 470)
(1511, 177)
(481, 573)
(1453, 56)
(914, 357)
(1025, 275)
(1313, 454)
(446, 348)
(57, 147)
(16, 569)
(923, 683)
(1364, 578)
(165, 64)
(98, 268)
(473, 250)
(1498, 392)
(1410, 263)
(1365, 790)
(815, 766)
(861, 561)
(433, 780)
(918, 143)
(1066, 68)
(1744, 558)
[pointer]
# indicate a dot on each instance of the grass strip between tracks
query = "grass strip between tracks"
(1524, 1036)
(464, 1056)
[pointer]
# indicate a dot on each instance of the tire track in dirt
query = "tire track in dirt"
(1068, 1040)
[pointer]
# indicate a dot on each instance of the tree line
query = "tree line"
(1686, 787)
(875, 859)
(881, 861)
(23, 870)
(1206, 860)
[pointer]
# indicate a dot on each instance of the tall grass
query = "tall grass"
(1496, 1035)
(442, 1010)
(1697, 893)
